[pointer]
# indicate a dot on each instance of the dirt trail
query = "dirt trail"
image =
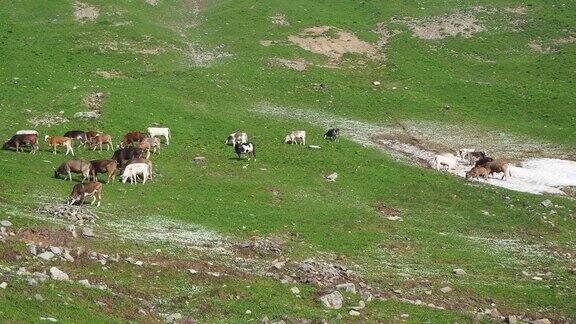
(420, 141)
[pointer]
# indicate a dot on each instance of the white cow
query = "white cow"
(445, 161)
(237, 137)
(160, 131)
(133, 170)
(296, 136)
(26, 131)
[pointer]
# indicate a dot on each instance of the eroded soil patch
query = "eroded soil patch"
(457, 24)
(84, 12)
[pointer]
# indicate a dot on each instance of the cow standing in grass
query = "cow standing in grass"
(74, 166)
(19, 140)
(245, 148)
(77, 135)
(100, 139)
(124, 154)
(296, 137)
(57, 141)
(82, 190)
(103, 166)
(131, 138)
(235, 138)
(160, 131)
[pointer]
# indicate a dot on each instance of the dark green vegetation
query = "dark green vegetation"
(492, 80)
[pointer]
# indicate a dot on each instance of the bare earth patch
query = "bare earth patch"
(320, 41)
(48, 120)
(84, 12)
(565, 40)
(298, 65)
(458, 24)
(280, 20)
(94, 101)
(520, 10)
(198, 56)
(129, 47)
(110, 74)
(152, 2)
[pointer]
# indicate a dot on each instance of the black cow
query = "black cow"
(483, 161)
(77, 135)
(126, 154)
(245, 148)
(332, 134)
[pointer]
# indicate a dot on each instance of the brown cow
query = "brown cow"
(81, 190)
(100, 139)
(132, 137)
(478, 172)
(74, 166)
(56, 141)
(103, 166)
(22, 139)
(498, 167)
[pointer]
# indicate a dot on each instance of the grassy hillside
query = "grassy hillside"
(201, 69)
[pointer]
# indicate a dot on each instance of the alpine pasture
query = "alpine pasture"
(360, 229)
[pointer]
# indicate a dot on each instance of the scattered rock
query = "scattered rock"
(333, 300)
(495, 313)
(32, 249)
(546, 203)
(542, 321)
(110, 74)
(278, 264)
(68, 256)
(361, 305)
(331, 177)
(314, 147)
(47, 255)
(86, 115)
(248, 312)
(31, 281)
(49, 319)
(376, 83)
(56, 250)
(85, 283)
(192, 271)
(3, 285)
(537, 278)
(262, 245)
(458, 24)
(48, 120)
(38, 297)
(58, 274)
(321, 274)
(78, 214)
(295, 290)
(459, 272)
(6, 223)
(88, 232)
(348, 287)
(354, 312)
(173, 317)
(200, 159)
(446, 289)
(280, 20)
(512, 319)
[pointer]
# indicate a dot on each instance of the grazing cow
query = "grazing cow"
(160, 131)
(472, 157)
(132, 137)
(100, 139)
(19, 140)
(235, 138)
(103, 166)
(498, 167)
(296, 136)
(90, 135)
(26, 132)
(56, 141)
(82, 190)
(245, 148)
(332, 134)
(463, 152)
(149, 145)
(445, 161)
(74, 166)
(142, 160)
(131, 171)
(77, 135)
(125, 154)
(483, 161)
(478, 172)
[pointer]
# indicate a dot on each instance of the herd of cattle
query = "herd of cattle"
(131, 159)
(482, 165)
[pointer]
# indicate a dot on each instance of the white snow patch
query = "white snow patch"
(536, 175)
(163, 230)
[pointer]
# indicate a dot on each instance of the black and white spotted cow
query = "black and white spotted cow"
(245, 148)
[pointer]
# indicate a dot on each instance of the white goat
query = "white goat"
(296, 136)
(160, 131)
(133, 170)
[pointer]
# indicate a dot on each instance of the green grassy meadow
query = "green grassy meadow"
(49, 64)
